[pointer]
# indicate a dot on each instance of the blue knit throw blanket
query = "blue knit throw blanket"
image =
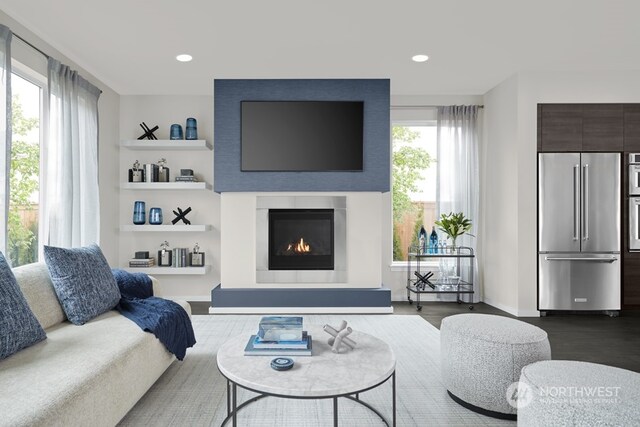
(167, 320)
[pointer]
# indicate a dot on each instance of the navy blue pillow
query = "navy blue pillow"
(19, 327)
(83, 281)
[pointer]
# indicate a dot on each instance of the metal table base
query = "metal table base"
(233, 408)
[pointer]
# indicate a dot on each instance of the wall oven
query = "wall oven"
(634, 201)
(634, 174)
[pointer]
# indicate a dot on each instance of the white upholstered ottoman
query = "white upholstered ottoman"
(570, 393)
(482, 355)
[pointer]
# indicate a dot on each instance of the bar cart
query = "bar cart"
(454, 275)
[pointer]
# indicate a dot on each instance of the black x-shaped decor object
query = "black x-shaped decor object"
(181, 215)
(148, 133)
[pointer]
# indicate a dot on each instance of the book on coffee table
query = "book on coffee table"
(259, 343)
(279, 328)
(250, 349)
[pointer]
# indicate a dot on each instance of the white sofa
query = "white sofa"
(89, 375)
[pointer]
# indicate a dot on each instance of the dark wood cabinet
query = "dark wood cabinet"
(582, 127)
(631, 280)
(539, 128)
(602, 127)
(561, 127)
(631, 128)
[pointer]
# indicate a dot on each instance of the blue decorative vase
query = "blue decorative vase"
(191, 131)
(175, 132)
(155, 216)
(138, 213)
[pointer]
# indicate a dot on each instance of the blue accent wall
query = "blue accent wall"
(228, 94)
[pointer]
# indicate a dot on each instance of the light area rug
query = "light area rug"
(193, 392)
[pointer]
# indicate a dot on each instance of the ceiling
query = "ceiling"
(473, 45)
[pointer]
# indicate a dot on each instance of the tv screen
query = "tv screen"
(302, 135)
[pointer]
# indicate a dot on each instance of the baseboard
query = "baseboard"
(300, 310)
(511, 310)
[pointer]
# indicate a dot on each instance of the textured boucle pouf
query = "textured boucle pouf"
(482, 355)
(570, 393)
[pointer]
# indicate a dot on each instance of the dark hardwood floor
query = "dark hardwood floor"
(587, 337)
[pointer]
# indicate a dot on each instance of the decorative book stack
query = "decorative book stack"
(142, 262)
(180, 257)
(279, 336)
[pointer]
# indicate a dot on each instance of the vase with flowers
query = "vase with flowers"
(454, 225)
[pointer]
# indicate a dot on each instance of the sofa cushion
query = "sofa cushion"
(83, 281)
(35, 283)
(19, 327)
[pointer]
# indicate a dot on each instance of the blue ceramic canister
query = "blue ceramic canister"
(175, 132)
(138, 212)
(191, 131)
(155, 216)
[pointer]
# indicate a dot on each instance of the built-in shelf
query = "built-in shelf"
(166, 144)
(157, 271)
(166, 186)
(166, 227)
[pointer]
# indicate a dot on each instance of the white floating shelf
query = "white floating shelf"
(166, 227)
(166, 186)
(166, 144)
(157, 271)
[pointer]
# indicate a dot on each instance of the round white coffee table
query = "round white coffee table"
(324, 375)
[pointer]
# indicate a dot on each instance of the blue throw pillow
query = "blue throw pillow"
(19, 327)
(83, 281)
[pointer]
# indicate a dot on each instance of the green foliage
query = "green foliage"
(419, 224)
(23, 181)
(454, 225)
(408, 164)
(397, 250)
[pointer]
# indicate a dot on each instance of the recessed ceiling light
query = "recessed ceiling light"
(184, 57)
(420, 58)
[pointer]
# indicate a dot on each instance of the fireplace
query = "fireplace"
(301, 239)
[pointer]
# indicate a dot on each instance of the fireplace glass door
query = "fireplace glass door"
(301, 239)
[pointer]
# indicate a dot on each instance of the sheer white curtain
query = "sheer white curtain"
(72, 216)
(5, 130)
(458, 168)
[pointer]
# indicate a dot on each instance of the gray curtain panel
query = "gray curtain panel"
(458, 186)
(72, 205)
(5, 130)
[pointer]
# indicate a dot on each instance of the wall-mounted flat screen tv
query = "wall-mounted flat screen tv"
(302, 135)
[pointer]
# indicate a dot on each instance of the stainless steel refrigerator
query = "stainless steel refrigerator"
(579, 231)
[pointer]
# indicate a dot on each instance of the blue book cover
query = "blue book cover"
(280, 328)
(250, 350)
(303, 343)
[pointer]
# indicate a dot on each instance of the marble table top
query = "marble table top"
(323, 374)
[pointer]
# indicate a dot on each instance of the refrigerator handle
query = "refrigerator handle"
(585, 202)
(576, 202)
(568, 258)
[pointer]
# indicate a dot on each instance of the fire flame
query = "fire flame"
(300, 247)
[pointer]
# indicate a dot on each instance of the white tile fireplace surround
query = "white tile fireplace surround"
(358, 236)
(338, 204)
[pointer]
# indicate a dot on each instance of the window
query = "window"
(24, 176)
(414, 147)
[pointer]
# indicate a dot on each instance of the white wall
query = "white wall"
(163, 111)
(499, 196)
(364, 237)
(108, 107)
(519, 296)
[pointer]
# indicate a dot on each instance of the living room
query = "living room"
(514, 75)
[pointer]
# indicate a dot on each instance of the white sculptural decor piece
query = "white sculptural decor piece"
(339, 337)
